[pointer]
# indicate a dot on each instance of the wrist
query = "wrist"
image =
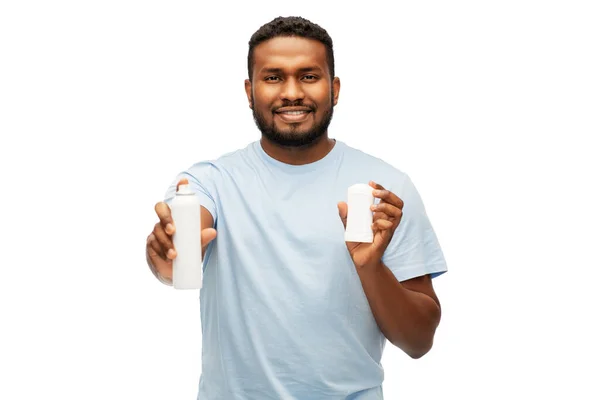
(370, 267)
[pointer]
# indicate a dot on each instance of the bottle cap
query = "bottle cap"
(184, 189)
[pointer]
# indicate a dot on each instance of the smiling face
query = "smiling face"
(292, 94)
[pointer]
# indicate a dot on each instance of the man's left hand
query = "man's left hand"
(386, 218)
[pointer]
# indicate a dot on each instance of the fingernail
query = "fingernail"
(171, 254)
(169, 228)
(377, 192)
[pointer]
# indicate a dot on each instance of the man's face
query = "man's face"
(292, 94)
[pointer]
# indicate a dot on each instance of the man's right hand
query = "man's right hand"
(160, 251)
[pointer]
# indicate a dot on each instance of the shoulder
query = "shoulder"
(378, 167)
(227, 161)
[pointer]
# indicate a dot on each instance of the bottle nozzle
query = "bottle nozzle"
(184, 189)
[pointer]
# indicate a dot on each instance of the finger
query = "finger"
(207, 235)
(388, 197)
(161, 268)
(155, 249)
(376, 185)
(163, 239)
(382, 225)
(343, 212)
(164, 254)
(380, 215)
(164, 214)
(377, 213)
(182, 181)
(389, 210)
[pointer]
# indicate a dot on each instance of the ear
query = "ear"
(336, 89)
(248, 87)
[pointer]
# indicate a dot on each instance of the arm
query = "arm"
(407, 313)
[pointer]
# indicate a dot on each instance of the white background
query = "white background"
(491, 107)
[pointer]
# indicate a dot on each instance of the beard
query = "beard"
(294, 137)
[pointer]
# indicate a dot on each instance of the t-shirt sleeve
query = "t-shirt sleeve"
(201, 178)
(414, 249)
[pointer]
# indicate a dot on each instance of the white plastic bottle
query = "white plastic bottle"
(187, 266)
(360, 216)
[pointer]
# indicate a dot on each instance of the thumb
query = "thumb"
(206, 236)
(343, 211)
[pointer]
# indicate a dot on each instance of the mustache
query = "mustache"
(293, 104)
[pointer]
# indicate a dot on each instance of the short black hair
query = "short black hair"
(291, 26)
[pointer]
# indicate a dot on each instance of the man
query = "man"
(290, 310)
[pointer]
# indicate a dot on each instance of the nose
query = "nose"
(291, 90)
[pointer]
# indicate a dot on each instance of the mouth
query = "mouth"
(293, 114)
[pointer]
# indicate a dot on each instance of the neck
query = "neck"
(298, 155)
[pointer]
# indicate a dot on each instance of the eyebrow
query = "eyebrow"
(280, 70)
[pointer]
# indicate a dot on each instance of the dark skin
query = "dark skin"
(407, 312)
(290, 69)
(294, 70)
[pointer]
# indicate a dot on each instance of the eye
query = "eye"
(272, 78)
(310, 77)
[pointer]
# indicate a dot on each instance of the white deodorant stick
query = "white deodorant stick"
(360, 216)
(187, 266)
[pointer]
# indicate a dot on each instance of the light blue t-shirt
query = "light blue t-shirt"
(283, 312)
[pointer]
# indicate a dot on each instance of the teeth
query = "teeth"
(294, 112)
